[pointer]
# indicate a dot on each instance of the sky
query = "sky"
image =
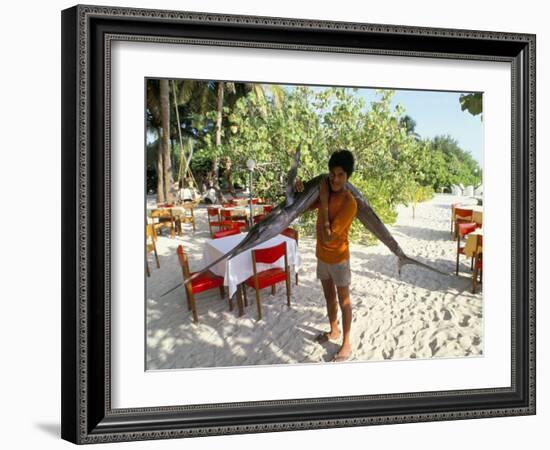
(439, 113)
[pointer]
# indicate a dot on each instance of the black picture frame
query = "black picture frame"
(87, 415)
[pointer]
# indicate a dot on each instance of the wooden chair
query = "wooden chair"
(164, 219)
(227, 217)
(268, 277)
(224, 233)
(461, 215)
(462, 230)
(478, 262)
(293, 234)
(213, 213)
(151, 246)
(203, 282)
(258, 218)
(188, 216)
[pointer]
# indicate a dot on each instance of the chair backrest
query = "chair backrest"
(184, 262)
(269, 255)
(463, 213)
(258, 218)
(213, 212)
(268, 209)
(225, 214)
(161, 213)
(291, 233)
(254, 201)
(466, 228)
(224, 233)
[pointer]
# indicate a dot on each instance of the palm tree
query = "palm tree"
(164, 192)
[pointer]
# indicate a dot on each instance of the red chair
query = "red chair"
(227, 217)
(213, 213)
(258, 218)
(462, 215)
(224, 233)
(293, 234)
(268, 209)
(462, 230)
(268, 277)
(478, 262)
(203, 282)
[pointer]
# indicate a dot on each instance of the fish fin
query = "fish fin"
(292, 178)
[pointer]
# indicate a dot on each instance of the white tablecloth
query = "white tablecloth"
(239, 268)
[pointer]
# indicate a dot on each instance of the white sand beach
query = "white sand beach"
(419, 314)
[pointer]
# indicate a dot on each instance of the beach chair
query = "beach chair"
(293, 234)
(203, 282)
(225, 233)
(214, 220)
(163, 218)
(462, 230)
(151, 246)
(478, 262)
(269, 277)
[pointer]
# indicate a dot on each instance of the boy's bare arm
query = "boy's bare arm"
(323, 210)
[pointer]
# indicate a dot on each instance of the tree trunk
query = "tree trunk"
(216, 162)
(165, 142)
(160, 171)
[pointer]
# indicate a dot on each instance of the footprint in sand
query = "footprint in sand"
(446, 314)
(465, 320)
(434, 347)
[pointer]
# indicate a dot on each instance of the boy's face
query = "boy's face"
(338, 178)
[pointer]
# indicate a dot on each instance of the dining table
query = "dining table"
(239, 268)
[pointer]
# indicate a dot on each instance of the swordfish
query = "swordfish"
(295, 204)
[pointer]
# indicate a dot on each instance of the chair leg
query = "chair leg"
(472, 264)
(147, 267)
(457, 253)
(222, 291)
(240, 290)
(287, 280)
(244, 295)
(296, 278)
(258, 304)
(474, 281)
(230, 301)
(157, 259)
(192, 304)
(273, 289)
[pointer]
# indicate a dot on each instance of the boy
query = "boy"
(336, 211)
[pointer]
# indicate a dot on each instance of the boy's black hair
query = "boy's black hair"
(342, 158)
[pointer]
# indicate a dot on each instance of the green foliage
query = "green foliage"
(472, 103)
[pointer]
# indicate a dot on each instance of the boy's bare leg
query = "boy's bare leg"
(332, 310)
(345, 306)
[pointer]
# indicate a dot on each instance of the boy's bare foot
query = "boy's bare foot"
(343, 354)
(326, 336)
